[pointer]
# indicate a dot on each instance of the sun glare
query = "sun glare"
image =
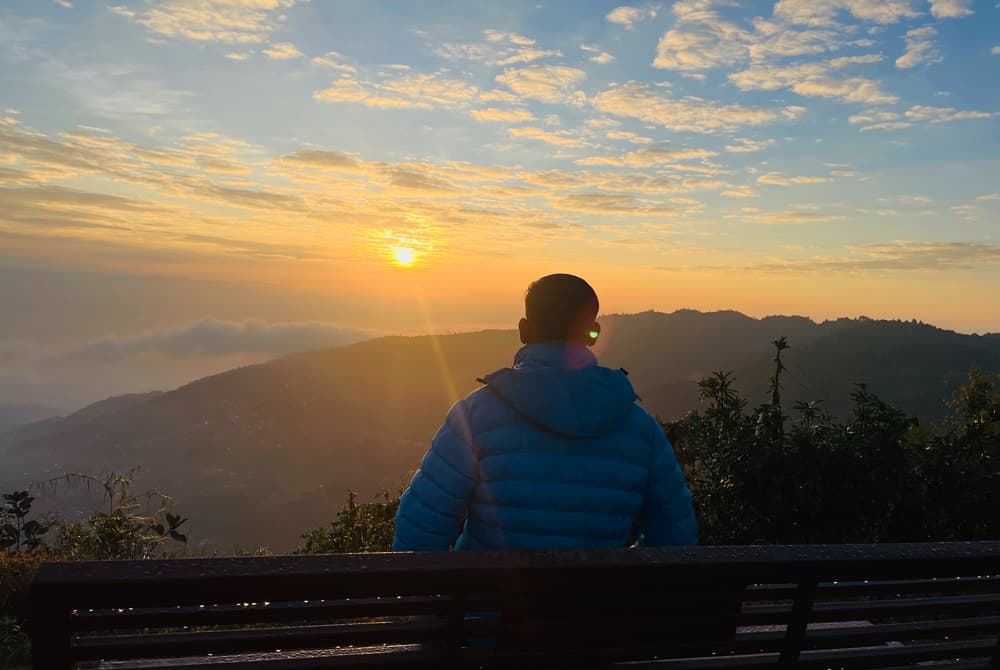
(404, 255)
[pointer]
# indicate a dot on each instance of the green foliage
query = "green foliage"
(761, 477)
(123, 532)
(361, 527)
(17, 532)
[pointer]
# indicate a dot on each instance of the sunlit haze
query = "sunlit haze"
(269, 173)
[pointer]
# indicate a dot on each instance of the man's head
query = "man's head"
(560, 307)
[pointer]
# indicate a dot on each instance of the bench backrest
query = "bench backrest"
(851, 606)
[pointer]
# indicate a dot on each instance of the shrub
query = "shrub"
(358, 528)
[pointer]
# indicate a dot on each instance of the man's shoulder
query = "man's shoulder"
(472, 406)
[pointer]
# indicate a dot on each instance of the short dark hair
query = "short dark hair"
(560, 307)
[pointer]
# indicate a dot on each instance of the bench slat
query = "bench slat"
(986, 604)
(226, 615)
(856, 636)
(255, 639)
(881, 656)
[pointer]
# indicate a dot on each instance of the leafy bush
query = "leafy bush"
(123, 532)
(17, 532)
(763, 477)
(358, 528)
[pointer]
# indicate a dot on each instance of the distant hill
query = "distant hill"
(257, 455)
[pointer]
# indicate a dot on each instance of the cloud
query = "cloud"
(547, 83)
(609, 203)
(791, 216)
(157, 359)
(777, 179)
(919, 48)
(282, 51)
(995, 50)
(559, 138)
(746, 145)
(505, 115)
(212, 337)
(989, 196)
(327, 160)
(602, 58)
(950, 9)
(513, 38)
(498, 49)
(333, 60)
(647, 157)
(878, 120)
(64, 3)
(227, 21)
(417, 181)
(642, 101)
(424, 91)
(239, 56)
(741, 192)
(902, 256)
(121, 10)
(528, 55)
(628, 136)
(816, 79)
(928, 114)
(886, 120)
(824, 13)
(220, 166)
(629, 16)
(700, 39)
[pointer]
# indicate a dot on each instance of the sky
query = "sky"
(261, 173)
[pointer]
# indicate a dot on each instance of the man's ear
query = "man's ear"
(595, 330)
(524, 329)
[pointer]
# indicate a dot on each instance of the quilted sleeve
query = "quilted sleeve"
(667, 516)
(432, 510)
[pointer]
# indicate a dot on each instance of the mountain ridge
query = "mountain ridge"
(258, 454)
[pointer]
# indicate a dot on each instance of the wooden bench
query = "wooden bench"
(837, 606)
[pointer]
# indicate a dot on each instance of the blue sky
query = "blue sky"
(821, 157)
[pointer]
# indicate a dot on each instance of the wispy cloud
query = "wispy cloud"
(629, 16)
(888, 120)
(334, 61)
(642, 101)
(504, 115)
(919, 48)
(282, 51)
(817, 79)
(778, 179)
(647, 157)
(227, 21)
(744, 145)
(425, 91)
(558, 138)
(546, 83)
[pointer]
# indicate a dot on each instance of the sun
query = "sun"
(404, 255)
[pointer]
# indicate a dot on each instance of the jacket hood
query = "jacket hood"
(559, 387)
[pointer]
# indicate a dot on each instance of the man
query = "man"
(552, 453)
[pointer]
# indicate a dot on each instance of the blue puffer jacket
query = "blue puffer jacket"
(552, 453)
